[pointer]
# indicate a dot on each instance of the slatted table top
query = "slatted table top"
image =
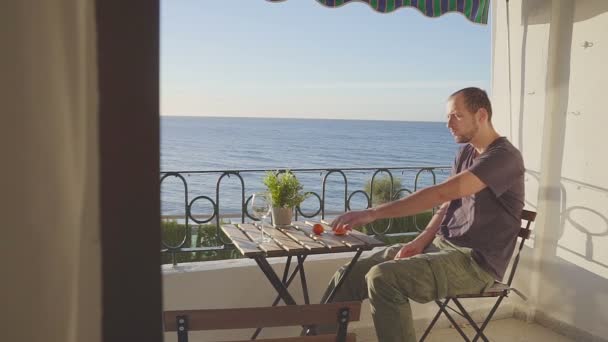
(296, 239)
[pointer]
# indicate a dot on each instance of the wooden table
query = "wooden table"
(298, 241)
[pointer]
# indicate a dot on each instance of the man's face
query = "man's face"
(462, 124)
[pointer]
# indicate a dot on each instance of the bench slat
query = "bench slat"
(350, 337)
(240, 318)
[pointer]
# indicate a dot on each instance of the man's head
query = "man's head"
(468, 111)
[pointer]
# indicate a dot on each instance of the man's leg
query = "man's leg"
(355, 287)
(422, 278)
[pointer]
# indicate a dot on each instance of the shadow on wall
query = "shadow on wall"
(587, 9)
(588, 221)
(536, 12)
(574, 283)
(575, 271)
(572, 216)
(576, 216)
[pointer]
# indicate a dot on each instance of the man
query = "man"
(468, 242)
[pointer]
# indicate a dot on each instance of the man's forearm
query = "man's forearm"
(428, 234)
(415, 203)
(458, 186)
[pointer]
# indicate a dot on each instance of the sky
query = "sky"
(300, 59)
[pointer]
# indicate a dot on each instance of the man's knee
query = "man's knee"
(378, 276)
(382, 283)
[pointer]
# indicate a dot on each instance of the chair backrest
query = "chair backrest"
(339, 313)
(527, 218)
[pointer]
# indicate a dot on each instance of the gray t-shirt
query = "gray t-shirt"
(488, 222)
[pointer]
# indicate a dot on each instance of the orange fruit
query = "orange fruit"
(340, 231)
(318, 229)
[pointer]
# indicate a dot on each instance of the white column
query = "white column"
(556, 104)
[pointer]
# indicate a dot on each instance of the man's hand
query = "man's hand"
(410, 249)
(353, 219)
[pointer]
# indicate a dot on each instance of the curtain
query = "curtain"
(51, 282)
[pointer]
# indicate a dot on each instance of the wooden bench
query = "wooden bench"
(275, 316)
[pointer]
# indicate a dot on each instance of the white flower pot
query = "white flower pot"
(282, 216)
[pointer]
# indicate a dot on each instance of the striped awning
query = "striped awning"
(474, 10)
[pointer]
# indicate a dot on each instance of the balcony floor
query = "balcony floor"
(502, 330)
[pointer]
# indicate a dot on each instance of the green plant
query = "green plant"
(284, 188)
(383, 193)
(204, 235)
(173, 233)
(382, 189)
(207, 236)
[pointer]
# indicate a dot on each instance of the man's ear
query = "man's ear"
(483, 114)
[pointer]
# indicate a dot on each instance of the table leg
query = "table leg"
(343, 277)
(286, 272)
(280, 286)
(303, 278)
(311, 330)
(291, 276)
(275, 281)
(286, 282)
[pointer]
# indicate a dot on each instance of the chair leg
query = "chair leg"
(456, 326)
(487, 320)
(432, 324)
(442, 309)
(465, 314)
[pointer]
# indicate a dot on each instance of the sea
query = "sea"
(200, 149)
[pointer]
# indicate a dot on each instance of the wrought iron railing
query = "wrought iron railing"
(198, 186)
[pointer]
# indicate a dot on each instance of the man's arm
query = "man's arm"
(463, 184)
(417, 245)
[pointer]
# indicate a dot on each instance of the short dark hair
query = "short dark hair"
(474, 99)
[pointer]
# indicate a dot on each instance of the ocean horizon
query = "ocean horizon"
(163, 116)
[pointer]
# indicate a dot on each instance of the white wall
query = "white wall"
(556, 117)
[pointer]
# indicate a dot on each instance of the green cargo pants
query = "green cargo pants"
(441, 270)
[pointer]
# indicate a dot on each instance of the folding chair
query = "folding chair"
(498, 290)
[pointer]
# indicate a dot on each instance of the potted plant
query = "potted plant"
(285, 193)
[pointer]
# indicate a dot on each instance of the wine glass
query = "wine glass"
(260, 207)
